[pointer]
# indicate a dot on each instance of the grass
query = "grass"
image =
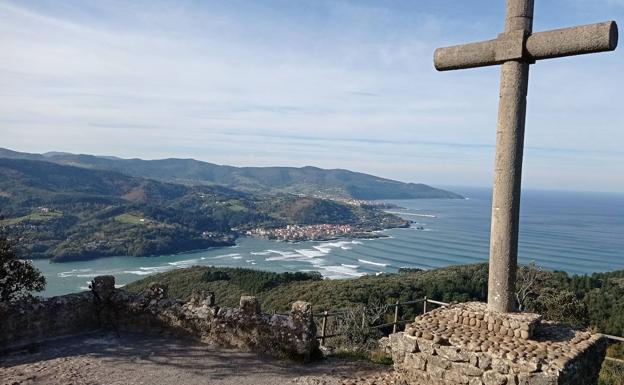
(612, 373)
(376, 356)
(35, 216)
(132, 219)
(235, 205)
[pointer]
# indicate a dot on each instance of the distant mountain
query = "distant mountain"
(311, 181)
(69, 213)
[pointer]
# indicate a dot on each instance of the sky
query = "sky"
(334, 84)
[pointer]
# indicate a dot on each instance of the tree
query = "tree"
(17, 278)
(527, 284)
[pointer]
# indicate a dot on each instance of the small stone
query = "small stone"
(438, 361)
(416, 361)
(249, 305)
(493, 378)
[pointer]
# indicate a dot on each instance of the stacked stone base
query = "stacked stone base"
(465, 344)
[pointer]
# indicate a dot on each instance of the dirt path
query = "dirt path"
(137, 359)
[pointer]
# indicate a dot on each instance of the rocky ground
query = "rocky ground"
(109, 359)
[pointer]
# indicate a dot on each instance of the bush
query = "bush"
(213, 276)
(17, 278)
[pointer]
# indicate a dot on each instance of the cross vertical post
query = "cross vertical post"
(508, 165)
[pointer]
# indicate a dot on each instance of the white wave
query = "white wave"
(340, 272)
(226, 256)
(73, 273)
(284, 257)
(411, 214)
(321, 249)
(310, 253)
(266, 252)
(280, 252)
(337, 244)
(156, 269)
(316, 262)
(237, 257)
(92, 275)
(138, 272)
(351, 266)
(373, 263)
(186, 262)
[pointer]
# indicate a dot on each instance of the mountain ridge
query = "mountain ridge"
(307, 180)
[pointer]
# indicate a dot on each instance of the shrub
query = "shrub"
(17, 278)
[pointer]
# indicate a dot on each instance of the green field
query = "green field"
(133, 219)
(35, 216)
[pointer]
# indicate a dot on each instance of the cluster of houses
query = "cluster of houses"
(320, 232)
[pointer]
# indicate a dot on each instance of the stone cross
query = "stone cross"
(514, 50)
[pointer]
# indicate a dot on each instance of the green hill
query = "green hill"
(309, 181)
(69, 213)
(596, 300)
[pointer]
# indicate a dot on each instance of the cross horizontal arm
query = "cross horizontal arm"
(541, 45)
(573, 41)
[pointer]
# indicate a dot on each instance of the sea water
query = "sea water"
(575, 232)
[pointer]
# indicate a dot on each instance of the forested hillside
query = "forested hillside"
(596, 300)
(69, 213)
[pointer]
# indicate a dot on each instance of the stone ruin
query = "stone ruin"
(104, 307)
(467, 344)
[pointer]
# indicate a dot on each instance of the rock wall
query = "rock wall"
(104, 307)
(441, 347)
(25, 323)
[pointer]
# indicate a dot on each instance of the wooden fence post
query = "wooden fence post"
(323, 328)
(396, 316)
(425, 305)
(363, 317)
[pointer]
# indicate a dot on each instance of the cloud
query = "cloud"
(333, 84)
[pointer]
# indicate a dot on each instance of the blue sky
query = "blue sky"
(335, 84)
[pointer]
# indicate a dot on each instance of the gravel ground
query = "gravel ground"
(137, 359)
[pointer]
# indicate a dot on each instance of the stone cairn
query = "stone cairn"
(467, 344)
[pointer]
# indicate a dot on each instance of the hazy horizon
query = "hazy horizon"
(330, 84)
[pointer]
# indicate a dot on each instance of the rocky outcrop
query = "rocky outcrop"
(104, 307)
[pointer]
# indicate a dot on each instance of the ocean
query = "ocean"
(580, 233)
